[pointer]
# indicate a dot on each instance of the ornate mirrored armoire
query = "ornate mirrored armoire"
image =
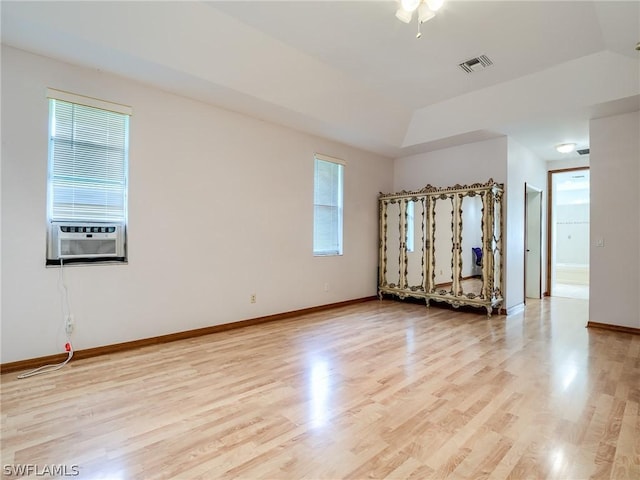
(443, 244)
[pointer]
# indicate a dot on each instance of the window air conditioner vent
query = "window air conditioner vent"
(475, 64)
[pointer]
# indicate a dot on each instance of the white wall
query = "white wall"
(615, 175)
(572, 234)
(572, 162)
(464, 164)
(523, 167)
(220, 207)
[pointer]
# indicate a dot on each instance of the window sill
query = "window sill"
(88, 261)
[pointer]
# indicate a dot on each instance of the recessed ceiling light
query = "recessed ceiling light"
(566, 147)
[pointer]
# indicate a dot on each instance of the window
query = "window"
(410, 226)
(327, 213)
(88, 168)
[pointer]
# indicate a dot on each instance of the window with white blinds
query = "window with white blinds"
(328, 206)
(88, 159)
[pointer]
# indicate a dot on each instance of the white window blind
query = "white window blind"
(328, 205)
(88, 159)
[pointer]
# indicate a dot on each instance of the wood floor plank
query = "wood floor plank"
(381, 389)
(627, 457)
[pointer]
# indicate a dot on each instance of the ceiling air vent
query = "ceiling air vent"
(583, 151)
(475, 64)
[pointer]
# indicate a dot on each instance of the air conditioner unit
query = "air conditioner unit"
(85, 240)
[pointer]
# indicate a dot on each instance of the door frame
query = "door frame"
(550, 173)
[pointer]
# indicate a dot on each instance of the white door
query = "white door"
(533, 251)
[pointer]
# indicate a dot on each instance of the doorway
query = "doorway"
(533, 242)
(568, 233)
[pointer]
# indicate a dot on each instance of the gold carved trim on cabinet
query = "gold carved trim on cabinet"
(455, 188)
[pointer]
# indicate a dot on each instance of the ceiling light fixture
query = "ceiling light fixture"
(566, 147)
(426, 11)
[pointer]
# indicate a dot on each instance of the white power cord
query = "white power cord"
(66, 312)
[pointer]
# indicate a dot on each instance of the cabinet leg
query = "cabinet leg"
(489, 311)
(426, 301)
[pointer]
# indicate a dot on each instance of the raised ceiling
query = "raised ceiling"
(352, 72)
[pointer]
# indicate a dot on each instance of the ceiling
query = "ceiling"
(350, 71)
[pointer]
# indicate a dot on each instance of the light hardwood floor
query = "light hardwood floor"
(381, 389)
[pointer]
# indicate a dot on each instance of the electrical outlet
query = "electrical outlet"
(69, 324)
(252, 298)
(326, 287)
